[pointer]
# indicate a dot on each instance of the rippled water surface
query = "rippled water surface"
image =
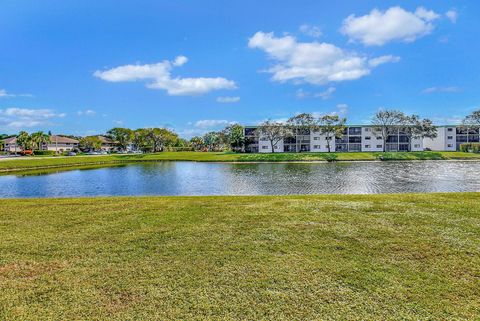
(189, 178)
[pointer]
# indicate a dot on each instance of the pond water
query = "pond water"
(191, 178)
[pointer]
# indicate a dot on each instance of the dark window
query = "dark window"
(403, 139)
(462, 138)
(355, 130)
(473, 138)
(367, 138)
(392, 139)
(289, 140)
(354, 139)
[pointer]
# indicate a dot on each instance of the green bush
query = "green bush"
(44, 152)
(470, 148)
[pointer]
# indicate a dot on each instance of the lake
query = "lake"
(191, 178)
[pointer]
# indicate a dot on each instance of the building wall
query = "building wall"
(445, 140)
(371, 141)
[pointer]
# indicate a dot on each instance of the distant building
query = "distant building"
(361, 139)
(108, 144)
(57, 143)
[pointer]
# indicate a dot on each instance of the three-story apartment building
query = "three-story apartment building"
(361, 138)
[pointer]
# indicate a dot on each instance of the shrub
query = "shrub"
(44, 152)
(470, 147)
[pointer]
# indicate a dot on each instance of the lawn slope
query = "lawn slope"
(379, 257)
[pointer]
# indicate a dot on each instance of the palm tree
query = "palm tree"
(24, 140)
(39, 138)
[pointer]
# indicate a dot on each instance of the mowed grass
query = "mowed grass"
(378, 257)
(75, 161)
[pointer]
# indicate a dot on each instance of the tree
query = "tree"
(90, 143)
(122, 136)
(24, 141)
(38, 139)
(471, 123)
(212, 141)
(302, 124)
(386, 123)
(235, 136)
(304, 121)
(332, 126)
(473, 119)
(197, 143)
(141, 140)
(414, 127)
(274, 132)
(159, 138)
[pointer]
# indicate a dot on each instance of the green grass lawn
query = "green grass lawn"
(51, 162)
(383, 257)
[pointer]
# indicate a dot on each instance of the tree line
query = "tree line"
(384, 124)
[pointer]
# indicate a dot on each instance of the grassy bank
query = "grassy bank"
(53, 162)
(299, 257)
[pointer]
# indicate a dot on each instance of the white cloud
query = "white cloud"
(380, 27)
(340, 110)
(431, 90)
(312, 31)
(452, 15)
(212, 123)
(158, 76)
(24, 117)
(382, 60)
(226, 100)
(327, 94)
(87, 112)
(5, 94)
(312, 62)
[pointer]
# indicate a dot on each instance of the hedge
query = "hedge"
(44, 152)
(470, 147)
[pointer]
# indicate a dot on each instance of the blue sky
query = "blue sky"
(82, 67)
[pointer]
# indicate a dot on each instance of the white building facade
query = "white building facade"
(361, 139)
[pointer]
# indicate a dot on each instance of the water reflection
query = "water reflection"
(189, 178)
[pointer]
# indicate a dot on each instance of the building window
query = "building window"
(417, 146)
(316, 138)
(264, 147)
(450, 137)
(316, 146)
(368, 137)
(367, 129)
(450, 129)
(449, 145)
(379, 146)
(367, 146)
(379, 137)
(276, 147)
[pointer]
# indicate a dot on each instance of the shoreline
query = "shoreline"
(131, 162)
(14, 165)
